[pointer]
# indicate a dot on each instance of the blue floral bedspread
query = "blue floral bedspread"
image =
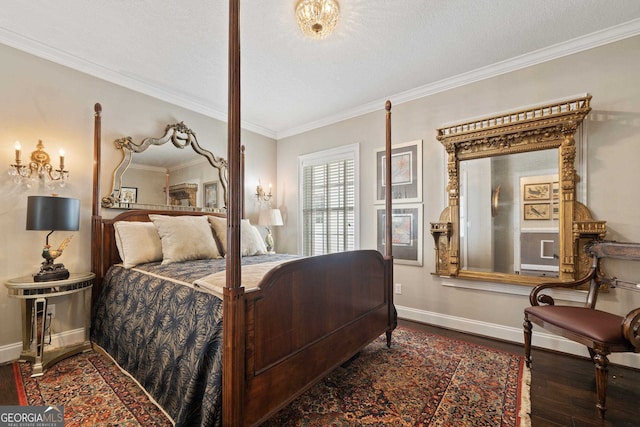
(167, 335)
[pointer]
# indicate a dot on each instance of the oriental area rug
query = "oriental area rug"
(422, 380)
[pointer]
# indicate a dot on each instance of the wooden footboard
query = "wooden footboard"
(308, 317)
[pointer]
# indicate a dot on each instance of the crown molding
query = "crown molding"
(590, 41)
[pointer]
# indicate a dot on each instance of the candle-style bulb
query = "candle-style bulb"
(61, 159)
(18, 148)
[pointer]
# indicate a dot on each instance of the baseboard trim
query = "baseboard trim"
(507, 333)
(11, 352)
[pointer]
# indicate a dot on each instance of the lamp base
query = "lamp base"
(268, 240)
(50, 272)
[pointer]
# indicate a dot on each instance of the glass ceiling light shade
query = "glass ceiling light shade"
(317, 18)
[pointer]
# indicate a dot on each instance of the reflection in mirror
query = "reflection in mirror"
(168, 176)
(185, 181)
(507, 220)
(512, 214)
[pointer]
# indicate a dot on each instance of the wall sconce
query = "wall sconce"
(260, 193)
(39, 165)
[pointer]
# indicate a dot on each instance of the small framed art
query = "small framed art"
(210, 194)
(406, 172)
(406, 235)
(537, 211)
(128, 195)
(537, 191)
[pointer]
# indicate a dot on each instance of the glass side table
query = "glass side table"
(34, 298)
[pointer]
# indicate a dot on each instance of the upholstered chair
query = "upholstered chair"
(603, 333)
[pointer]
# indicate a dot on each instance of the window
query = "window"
(328, 201)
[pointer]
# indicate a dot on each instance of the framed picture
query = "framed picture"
(537, 211)
(537, 191)
(406, 172)
(128, 195)
(406, 235)
(210, 191)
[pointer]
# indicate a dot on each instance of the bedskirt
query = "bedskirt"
(168, 336)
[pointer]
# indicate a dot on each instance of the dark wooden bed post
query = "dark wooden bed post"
(242, 169)
(233, 367)
(388, 215)
(96, 219)
(387, 190)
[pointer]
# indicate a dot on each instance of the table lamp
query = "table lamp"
(52, 213)
(270, 217)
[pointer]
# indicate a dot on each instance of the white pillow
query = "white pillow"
(251, 242)
(185, 238)
(137, 242)
(220, 227)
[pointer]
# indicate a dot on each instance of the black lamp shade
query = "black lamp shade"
(52, 213)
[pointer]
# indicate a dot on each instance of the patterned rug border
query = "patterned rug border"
(524, 412)
(17, 379)
(129, 395)
(102, 352)
(457, 340)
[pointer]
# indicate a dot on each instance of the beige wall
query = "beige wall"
(609, 73)
(42, 100)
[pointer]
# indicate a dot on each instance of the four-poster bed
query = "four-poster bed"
(304, 318)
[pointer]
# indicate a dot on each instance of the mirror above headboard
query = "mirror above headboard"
(163, 173)
(512, 213)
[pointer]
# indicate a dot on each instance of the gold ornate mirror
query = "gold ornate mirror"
(512, 213)
(156, 174)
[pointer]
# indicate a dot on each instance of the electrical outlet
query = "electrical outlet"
(51, 310)
(398, 288)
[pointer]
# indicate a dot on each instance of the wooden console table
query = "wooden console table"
(34, 296)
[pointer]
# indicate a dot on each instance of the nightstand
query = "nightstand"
(34, 297)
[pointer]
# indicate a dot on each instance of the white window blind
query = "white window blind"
(328, 198)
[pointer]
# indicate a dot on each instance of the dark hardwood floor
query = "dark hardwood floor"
(8, 395)
(562, 387)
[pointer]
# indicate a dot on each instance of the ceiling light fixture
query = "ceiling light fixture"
(317, 18)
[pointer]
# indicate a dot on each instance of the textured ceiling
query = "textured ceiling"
(396, 49)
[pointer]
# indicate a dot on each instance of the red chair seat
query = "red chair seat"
(599, 326)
